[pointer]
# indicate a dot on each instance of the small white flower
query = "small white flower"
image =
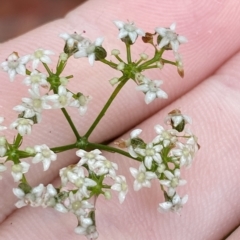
(3, 168)
(41, 55)
(15, 65)
(120, 185)
(87, 228)
(128, 29)
(151, 153)
(27, 111)
(184, 152)
(18, 170)
(81, 103)
(36, 79)
(89, 157)
(3, 146)
(77, 177)
(49, 196)
(87, 49)
(151, 89)
(142, 177)
(36, 102)
(105, 166)
(34, 198)
(173, 181)
(175, 205)
(24, 126)
(133, 135)
(62, 99)
(2, 127)
(165, 136)
(63, 173)
(77, 205)
(176, 117)
(71, 39)
(45, 155)
(170, 37)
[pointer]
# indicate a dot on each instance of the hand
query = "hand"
(209, 92)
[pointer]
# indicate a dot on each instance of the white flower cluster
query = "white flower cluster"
(32, 106)
(162, 159)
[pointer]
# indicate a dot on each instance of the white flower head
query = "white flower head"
(81, 103)
(2, 127)
(174, 205)
(165, 136)
(151, 153)
(34, 198)
(15, 65)
(152, 90)
(177, 119)
(89, 157)
(72, 39)
(87, 228)
(27, 111)
(18, 170)
(3, 168)
(128, 30)
(173, 181)
(36, 102)
(104, 166)
(36, 79)
(87, 49)
(142, 177)
(41, 55)
(77, 205)
(170, 37)
(77, 177)
(44, 155)
(23, 125)
(120, 185)
(62, 99)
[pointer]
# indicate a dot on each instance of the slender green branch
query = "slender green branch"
(112, 149)
(118, 58)
(122, 81)
(70, 123)
(47, 68)
(111, 64)
(157, 57)
(18, 140)
(64, 148)
(169, 62)
(129, 57)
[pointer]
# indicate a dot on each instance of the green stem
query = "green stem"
(47, 68)
(169, 62)
(18, 140)
(122, 81)
(157, 57)
(64, 148)
(111, 64)
(70, 123)
(112, 150)
(129, 57)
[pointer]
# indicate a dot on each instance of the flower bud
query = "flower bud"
(115, 52)
(120, 66)
(148, 38)
(100, 53)
(144, 56)
(177, 120)
(113, 81)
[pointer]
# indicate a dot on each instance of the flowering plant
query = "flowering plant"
(161, 159)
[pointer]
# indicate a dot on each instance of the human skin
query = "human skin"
(209, 93)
